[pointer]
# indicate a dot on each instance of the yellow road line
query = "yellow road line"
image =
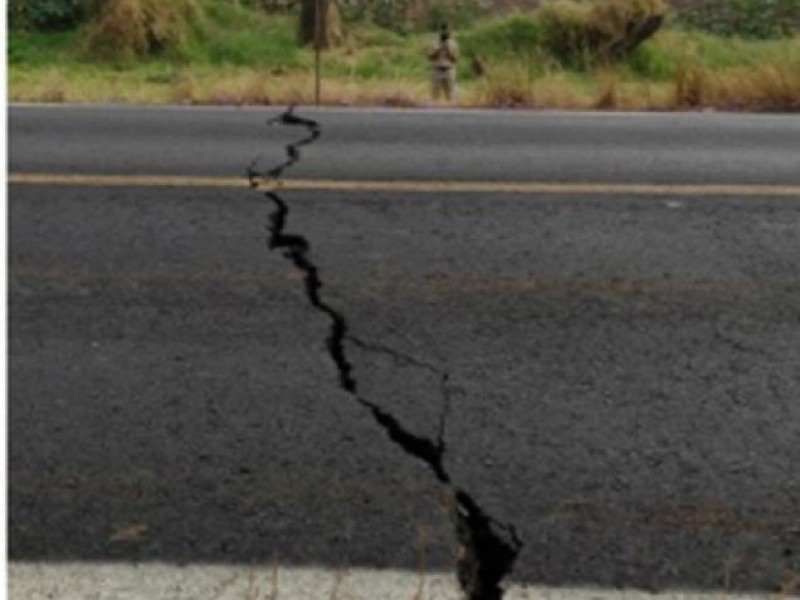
(517, 187)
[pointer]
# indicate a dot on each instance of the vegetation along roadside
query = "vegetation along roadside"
(604, 54)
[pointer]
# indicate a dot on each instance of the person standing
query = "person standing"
(443, 55)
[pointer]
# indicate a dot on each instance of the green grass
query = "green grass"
(237, 36)
(505, 38)
(226, 36)
(37, 49)
(238, 55)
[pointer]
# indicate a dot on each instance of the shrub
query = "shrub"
(124, 29)
(45, 15)
(580, 33)
(405, 16)
(458, 13)
(759, 19)
(564, 31)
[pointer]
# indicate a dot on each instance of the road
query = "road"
(623, 364)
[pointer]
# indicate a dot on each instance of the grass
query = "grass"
(36, 49)
(232, 55)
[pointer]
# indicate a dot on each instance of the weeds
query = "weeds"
(760, 19)
(507, 92)
(200, 52)
(513, 37)
(771, 88)
(184, 90)
(766, 87)
(126, 29)
(36, 49)
(608, 96)
(580, 34)
(691, 87)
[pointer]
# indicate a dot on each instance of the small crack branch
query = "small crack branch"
(487, 548)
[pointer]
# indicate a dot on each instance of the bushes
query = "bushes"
(579, 33)
(564, 31)
(45, 15)
(405, 16)
(125, 29)
(190, 31)
(758, 19)
(575, 33)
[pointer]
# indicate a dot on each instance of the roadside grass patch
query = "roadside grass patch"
(508, 91)
(122, 30)
(37, 49)
(511, 37)
(652, 61)
(234, 35)
(229, 53)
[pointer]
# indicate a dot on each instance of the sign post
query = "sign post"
(317, 49)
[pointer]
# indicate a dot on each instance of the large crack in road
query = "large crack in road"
(487, 548)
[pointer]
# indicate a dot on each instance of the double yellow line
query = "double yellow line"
(504, 187)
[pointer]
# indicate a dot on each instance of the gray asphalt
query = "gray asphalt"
(381, 144)
(624, 370)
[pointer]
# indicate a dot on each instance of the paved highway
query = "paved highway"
(391, 145)
(623, 366)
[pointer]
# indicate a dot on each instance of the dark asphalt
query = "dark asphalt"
(625, 374)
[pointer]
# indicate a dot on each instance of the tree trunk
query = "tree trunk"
(330, 24)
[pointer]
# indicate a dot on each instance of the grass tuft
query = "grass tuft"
(691, 87)
(507, 91)
(608, 96)
(582, 34)
(126, 29)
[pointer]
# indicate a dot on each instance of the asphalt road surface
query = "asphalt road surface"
(624, 366)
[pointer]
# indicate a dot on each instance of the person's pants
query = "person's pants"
(443, 82)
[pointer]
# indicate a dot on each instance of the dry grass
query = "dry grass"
(250, 88)
(125, 29)
(505, 92)
(579, 33)
(53, 87)
(765, 87)
(691, 87)
(262, 88)
(184, 90)
(608, 96)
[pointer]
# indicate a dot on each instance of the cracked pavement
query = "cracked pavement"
(486, 548)
(623, 373)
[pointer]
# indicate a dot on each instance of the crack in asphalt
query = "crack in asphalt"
(488, 548)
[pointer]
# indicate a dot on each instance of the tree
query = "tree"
(45, 14)
(322, 16)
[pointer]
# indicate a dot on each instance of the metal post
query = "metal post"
(317, 49)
